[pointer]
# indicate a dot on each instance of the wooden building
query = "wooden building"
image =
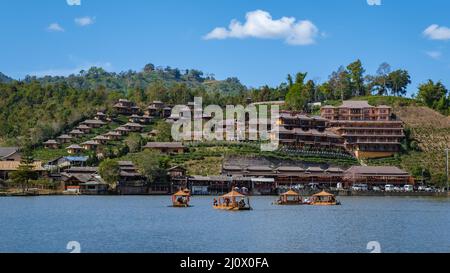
(90, 145)
(100, 116)
(126, 107)
(131, 182)
(62, 139)
(51, 144)
(74, 149)
(133, 127)
(377, 176)
(368, 131)
(94, 123)
(10, 154)
(166, 147)
(76, 133)
(84, 128)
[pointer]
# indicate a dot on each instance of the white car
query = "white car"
(389, 188)
(408, 188)
(376, 188)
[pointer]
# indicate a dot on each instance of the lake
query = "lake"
(147, 224)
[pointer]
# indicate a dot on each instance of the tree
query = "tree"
(151, 165)
(356, 72)
(109, 170)
(339, 81)
(134, 142)
(377, 84)
(164, 130)
(383, 72)
(296, 98)
(433, 95)
(25, 173)
(398, 81)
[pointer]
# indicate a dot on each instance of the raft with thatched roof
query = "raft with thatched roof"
(233, 201)
(290, 197)
(181, 199)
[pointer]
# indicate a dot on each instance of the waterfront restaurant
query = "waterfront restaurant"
(285, 175)
(377, 176)
(6, 167)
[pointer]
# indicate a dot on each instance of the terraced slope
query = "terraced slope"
(431, 130)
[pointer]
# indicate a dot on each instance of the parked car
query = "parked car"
(360, 187)
(421, 188)
(376, 188)
(408, 188)
(389, 187)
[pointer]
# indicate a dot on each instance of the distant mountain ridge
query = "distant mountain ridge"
(5, 79)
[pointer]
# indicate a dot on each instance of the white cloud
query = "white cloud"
(434, 54)
(73, 2)
(436, 32)
(374, 2)
(84, 21)
(55, 27)
(259, 24)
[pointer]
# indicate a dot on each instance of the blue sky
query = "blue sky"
(317, 36)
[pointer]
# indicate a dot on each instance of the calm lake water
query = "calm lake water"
(147, 224)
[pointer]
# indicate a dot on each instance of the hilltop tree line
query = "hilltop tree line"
(40, 108)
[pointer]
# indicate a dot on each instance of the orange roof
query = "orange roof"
(233, 194)
(185, 192)
(290, 193)
(323, 193)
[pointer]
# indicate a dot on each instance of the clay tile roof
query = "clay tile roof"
(355, 104)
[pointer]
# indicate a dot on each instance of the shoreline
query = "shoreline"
(337, 193)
